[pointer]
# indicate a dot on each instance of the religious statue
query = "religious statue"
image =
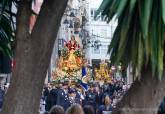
(70, 62)
(102, 74)
(74, 60)
(72, 44)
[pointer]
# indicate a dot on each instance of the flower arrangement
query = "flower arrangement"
(65, 53)
(62, 79)
(78, 53)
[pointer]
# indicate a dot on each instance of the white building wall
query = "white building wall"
(101, 29)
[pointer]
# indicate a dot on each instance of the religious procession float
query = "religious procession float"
(71, 63)
(72, 66)
(105, 74)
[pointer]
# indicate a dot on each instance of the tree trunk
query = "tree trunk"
(144, 96)
(33, 53)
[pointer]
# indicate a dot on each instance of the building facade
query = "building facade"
(99, 31)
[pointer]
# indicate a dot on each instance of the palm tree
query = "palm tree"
(139, 40)
(7, 27)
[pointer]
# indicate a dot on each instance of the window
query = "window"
(92, 13)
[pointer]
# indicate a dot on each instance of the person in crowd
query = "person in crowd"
(46, 91)
(2, 94)
(75, 109)
(162, 107)
(111, 88)
(72, 96)
(88, 109)
(53, 95)
(57, 110)
(91, 97)
(107, 107)
(62, 96)
(47, 97)
(99, 95)
(79, 95)
(118, 86)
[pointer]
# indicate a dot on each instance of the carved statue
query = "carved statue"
(102, 74)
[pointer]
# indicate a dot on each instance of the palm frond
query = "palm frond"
(163, 9)
(140, 31)
(7, 29)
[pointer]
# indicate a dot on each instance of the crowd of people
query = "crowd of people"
(69, 99)
(99, 99)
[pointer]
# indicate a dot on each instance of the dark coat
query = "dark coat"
(78, 98)
(111, 89)
(103, 108)
(162, 107)
(91, 100)
(62, 99)
(2, 94)
(46, 92)
(48, 102)
(53, 97)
